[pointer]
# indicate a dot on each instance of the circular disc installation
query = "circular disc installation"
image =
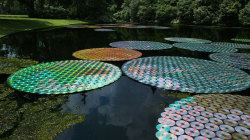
(230, 118)
(104, 30)
(187, 40)
(232, 45)
(62, 77)
(204, 47)
(241, 39)
(240, 60)
(141, 45)
(107, 54)
(187, 74)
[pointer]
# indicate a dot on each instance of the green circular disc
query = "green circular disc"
(187, 74)
(187, 40)
(232, 45)
(204, 47)
(241, 39)
(240, 60)
(141, 45)
(62, 77)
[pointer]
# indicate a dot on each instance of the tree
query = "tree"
(244, 16)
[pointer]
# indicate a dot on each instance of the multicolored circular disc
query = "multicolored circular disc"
(202, 127)
(204, 47)
(141, 45)
(107, 54)
(240, 60)
(232, 45)
(187, 74)
(62, 77)
(187, 40)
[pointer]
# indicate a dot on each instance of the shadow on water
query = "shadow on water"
(125, 109)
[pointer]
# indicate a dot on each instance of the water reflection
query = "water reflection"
(125, 106)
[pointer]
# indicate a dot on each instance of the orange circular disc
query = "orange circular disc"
(107, 54)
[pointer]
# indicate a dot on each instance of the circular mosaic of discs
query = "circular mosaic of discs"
(191, 118)
(232, 45)
(187, 74)
(204, 47)
(187, 40)
(61, 77)
(241, 39)
(107, 54)
(240, 60)
(104, 30)
(141, 45)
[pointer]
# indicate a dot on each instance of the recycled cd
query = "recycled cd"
(241, 39)
(186, 74)
(207, 133)
(212, 126)
(220, 116)
(232, 45)
(216, 138)
(216, 121)
(245, 124)
(201, 138)
(236, 112)
(61, 77)
(166, 121)
(189, 40)
(177, 131)
(181, 111)
(160, 27)
(197, 125)
(202, 119)
(185, 137)
(194, 113)
(207, 114)
(227, 128)
(223, 135)
(188, 118)
(242, 130)
(141, 45)
(170, 110)
(230, 122)
(233, 117)
(107, 54)
(187, 107)
(199, 108)
(238, 136)
(192, 132)
(240, 60)
(182, 124)
(204, 47)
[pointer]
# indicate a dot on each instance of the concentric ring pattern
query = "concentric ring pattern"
(240, 60)
(187, 74)
(187, 40)
(107, 54)
(62, 77)
(141, 45)
(213, 116)
(204, 47)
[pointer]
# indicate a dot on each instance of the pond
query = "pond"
(125, 109)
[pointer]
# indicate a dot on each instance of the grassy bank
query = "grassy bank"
(14, 23)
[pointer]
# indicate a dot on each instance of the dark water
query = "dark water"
(126, 109)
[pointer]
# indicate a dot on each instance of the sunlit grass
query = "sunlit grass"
(14, 23)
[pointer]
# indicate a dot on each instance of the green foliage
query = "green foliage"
(165, 13)
(40, 119)
(244, 16)
(11, 65)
